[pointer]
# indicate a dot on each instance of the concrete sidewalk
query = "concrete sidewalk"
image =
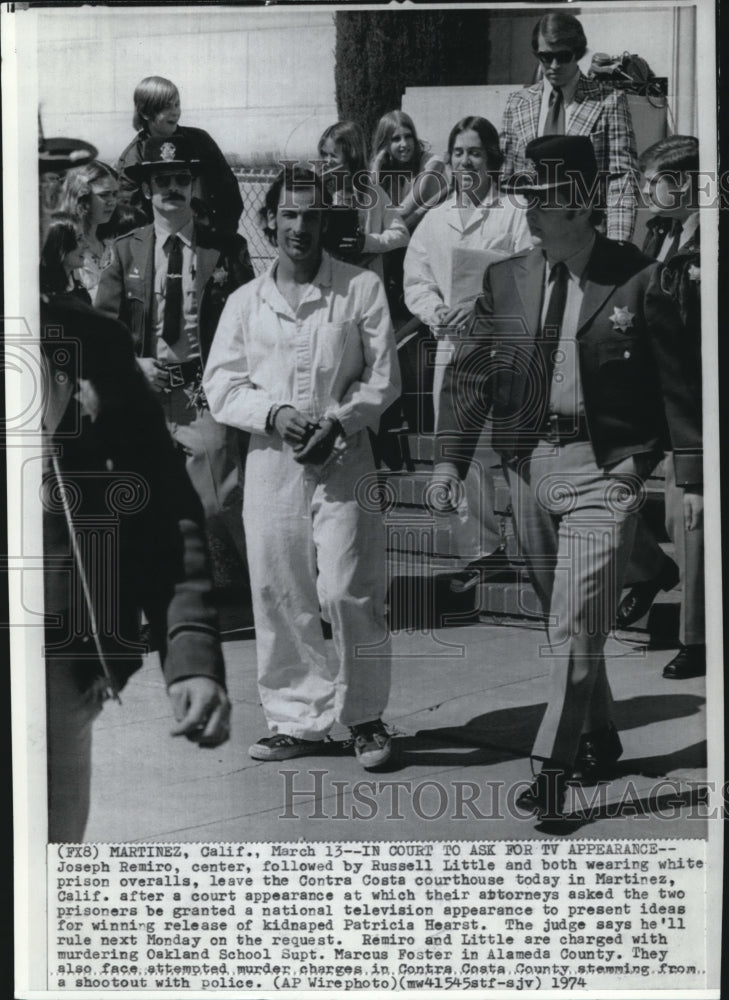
(465, 705)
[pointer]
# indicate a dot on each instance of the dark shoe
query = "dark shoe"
(690, 661)
(545, 796)
(283, 747)
(597, 752)
(480, 569)
(372, 743)
(637, 602)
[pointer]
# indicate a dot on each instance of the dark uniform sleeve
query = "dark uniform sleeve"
(129, 190)
(221, 190)
(680, 379)
(162, 557)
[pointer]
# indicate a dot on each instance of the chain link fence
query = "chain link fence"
(253, 183)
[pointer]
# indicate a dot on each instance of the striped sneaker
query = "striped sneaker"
(283, 747)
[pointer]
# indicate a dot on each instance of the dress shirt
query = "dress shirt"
(334, 355)
(690, 226)
(187, 347)
(565, 397)
(499, 223)
(568, 96)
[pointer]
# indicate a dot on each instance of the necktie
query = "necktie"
(675, 234)
(656, 233)
(548, 338)
(554, 124)
(173, 291)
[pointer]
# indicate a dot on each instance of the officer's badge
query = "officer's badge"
(622, 318)
(694, 273)
(219, 276)
(167, 151)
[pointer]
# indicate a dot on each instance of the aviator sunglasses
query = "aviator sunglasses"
(562, 57)
(164, 180)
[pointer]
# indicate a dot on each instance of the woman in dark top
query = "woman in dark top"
(156, 114)
(62, 254)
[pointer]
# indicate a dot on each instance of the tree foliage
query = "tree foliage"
(380, 53)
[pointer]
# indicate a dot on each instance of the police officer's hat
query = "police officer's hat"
(556, 160)
(175, 153)
(58, 154)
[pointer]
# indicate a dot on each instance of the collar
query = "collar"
(690, 227)
(577, 261)
(162, 231)
(662, 224)
(568, 92)
(322, 278)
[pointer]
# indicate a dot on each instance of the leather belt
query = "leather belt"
(558, 429)
(183, 373)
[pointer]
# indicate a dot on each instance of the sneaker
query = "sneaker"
(283, 747)
(372, 743)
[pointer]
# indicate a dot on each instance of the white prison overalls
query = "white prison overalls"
(316, 545)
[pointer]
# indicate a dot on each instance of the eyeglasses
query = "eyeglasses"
(561, 57)
(164, 180)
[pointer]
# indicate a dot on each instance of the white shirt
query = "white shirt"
(498, 224)
(187, 347)
(333, 356)
(565, 397)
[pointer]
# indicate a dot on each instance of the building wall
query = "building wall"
(260, 81)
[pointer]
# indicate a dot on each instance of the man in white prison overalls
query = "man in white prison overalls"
(304, 359)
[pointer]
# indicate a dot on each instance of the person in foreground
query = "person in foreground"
(122, 533)
(304, 360)
(584, 363)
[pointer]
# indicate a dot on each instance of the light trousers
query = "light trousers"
(316, 549)
(575, 525)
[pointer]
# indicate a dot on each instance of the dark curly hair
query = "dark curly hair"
(290, 178)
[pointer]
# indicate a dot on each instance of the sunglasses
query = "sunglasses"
(561, 57)
(180, 180)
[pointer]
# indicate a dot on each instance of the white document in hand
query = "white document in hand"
(468, 267)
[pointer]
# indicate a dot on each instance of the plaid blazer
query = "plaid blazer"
(597, 111)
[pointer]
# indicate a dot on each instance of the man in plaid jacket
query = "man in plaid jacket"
(567, 102)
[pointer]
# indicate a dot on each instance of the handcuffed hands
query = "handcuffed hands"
(202, 710)
(312, 442)
(292, 426)
(318, 447)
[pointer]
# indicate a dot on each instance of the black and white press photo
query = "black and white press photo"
(362, 437)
